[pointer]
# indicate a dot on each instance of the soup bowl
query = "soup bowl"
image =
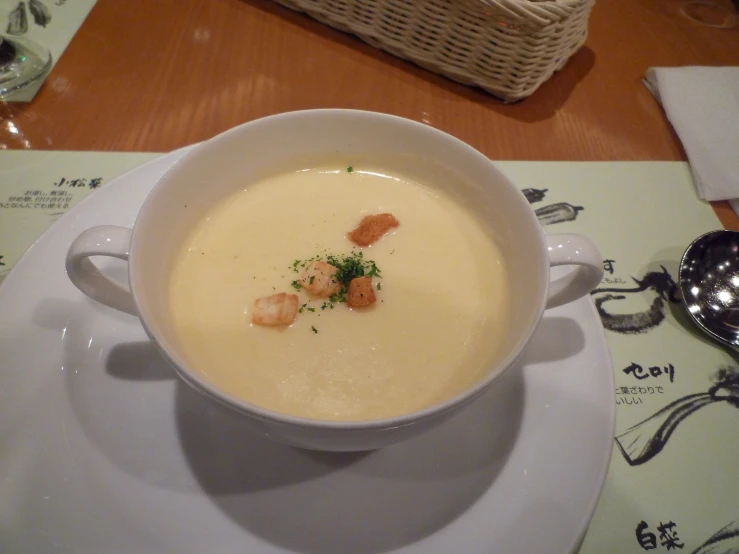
(222, 165)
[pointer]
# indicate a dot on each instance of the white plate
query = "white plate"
(103, 450)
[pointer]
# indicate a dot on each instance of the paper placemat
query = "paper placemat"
(669, 486)
(54, 24)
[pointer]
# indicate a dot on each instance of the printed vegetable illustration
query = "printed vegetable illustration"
(557, 213)
(640, 322)
(644, 441)
(40, 13)
(534, 195)
(723, 541)
(17, 20)
(630, 324)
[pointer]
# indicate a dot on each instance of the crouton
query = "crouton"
(361, 293)
(372, 228)
(275, 310)
(319, 279)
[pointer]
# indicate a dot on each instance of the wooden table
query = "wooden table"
(154, 76)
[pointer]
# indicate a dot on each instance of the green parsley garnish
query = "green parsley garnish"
(300, 311)
(315, 331)
(350, 169)
(379, 286)
(349, 266)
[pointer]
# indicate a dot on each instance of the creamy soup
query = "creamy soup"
(438, 320)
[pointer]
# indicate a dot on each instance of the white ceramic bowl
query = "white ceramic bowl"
(222, 166)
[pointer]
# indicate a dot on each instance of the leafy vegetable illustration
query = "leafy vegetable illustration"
(40, 13)
(723, 541)
(640, 322)
(534, 195)
(557, 213)
(18, 20)
(645, 440)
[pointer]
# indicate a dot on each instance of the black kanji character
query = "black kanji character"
(647, 540)
(671, 370)
(637, 371)
(95, 183)
(60, 183)
(78, 183)
(668, 536)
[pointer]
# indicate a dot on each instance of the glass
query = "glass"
(22, 61)
(713, 13)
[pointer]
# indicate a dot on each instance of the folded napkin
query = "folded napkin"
(702, 103)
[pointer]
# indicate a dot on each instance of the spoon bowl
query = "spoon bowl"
(709, 283)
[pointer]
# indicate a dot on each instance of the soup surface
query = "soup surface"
(438, 320)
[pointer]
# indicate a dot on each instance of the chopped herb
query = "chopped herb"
(315, 331)
(338, 297)
(310, 281)
(348, 267)
(374, 271)
(350, 169)
(311, 309)
(379, 286)
(300, 311)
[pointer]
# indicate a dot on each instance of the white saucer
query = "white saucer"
(103, 449)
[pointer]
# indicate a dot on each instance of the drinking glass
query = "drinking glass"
(22, 60)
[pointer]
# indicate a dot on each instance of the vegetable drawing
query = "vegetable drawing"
(557, 213)
(640, 322)
(18, 20)
(660, 282)
(723, 541)
(40, 13)
(534, 195)
(630, 324)
(645, 440)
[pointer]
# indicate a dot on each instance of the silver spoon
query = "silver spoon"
(709, 282)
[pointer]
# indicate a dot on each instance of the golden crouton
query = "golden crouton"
(319, 279)
(372, 228)
(278, 309)
(361, 293)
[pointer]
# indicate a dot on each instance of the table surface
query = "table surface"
(155, 76)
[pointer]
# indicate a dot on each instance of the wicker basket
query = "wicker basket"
(507, 47)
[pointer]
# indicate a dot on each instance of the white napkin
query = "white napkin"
(702, 103)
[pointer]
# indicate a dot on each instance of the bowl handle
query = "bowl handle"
(105, 240)
(569, 249)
